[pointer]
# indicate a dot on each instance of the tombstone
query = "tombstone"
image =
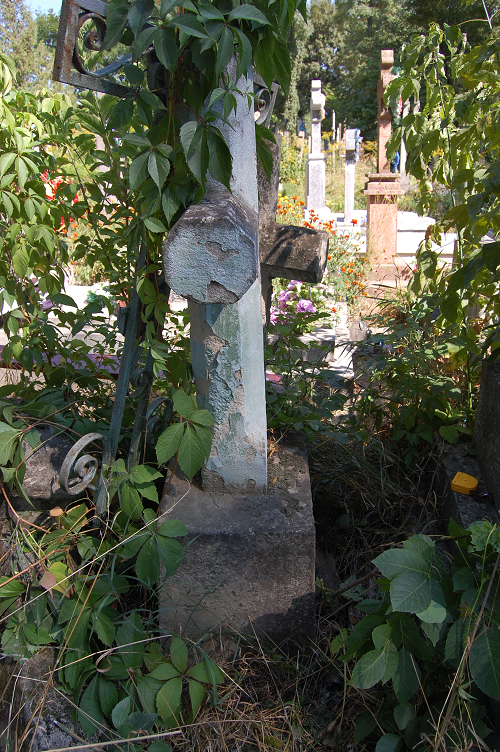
(250, 562)
(316, 168)
(383, 188)
(350, 164)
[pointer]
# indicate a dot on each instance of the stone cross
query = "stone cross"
(211, 258)
(286, 251)
(383, 189)
(350, 162)
(384, 112)
(315, 168)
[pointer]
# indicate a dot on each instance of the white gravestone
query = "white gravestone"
(350, 166)
(316, 168)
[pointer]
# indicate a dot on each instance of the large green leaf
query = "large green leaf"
(130, 638)
(116, 21)
(8, 440)
(91, 716)
(248, 13)
(184, 404)
(411, 592)
(397, 561)
(388, 743)
(484, 662)
(433, 614)
(192, 452)
(194, 143)
(369, 669)
(108, 695)
(168, 700)
(179, 654)
(166, 48)
(147, 689)
(455, 640)
(365, 724)
(130, 501)
(164, 671)
(147, 566)
(220, 160)
(406, 677)
(158, 168)
(172, 529)
(169, 441)
(197, 693)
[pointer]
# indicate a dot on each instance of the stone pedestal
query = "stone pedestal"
(382, 193)
(250, 559)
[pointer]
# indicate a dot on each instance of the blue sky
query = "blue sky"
(44, 5)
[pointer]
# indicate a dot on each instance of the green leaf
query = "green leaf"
(433, 614)
(171, 554)
(184, 404)
(122, 113)
(138, 171)
(197, 693)
(147, 566)
(159, 746)
(206, 671)
(365, 724)
(172, 529)
(116, 21)
(168, 700)
(225, 49)
(381, 636)
(410, 592)
(158, 168)
(202, 417)
(282, 63)
(9, 437)
(6, 160)
(166, 48)
(164, 671)
(170, 203)
(369, 669)
(134, 74)
(484, 662)
(406, 677)
(129, 638)
(169, 441)
(179, 654)
(490, 255)
(11, 589)
(220, 160)
(22, 171)
(192, 452)
(108, 695)
(247, 13)
(388, 743)
(144, 474)
(455, 640)
(154, 225)
(147, 689)
(121, 712)
(190, 25)
(105, 628)
(194, 143)
(91, 716)
(397, 561)
(403, 714)
(130, 501)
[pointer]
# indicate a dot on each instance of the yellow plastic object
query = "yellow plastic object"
(464, 484)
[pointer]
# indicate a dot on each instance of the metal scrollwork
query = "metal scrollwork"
(85, 467)
(154, 421)
(265, 99)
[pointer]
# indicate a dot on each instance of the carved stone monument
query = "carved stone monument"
(350, 165)
(383, 188)
(316, 168)
(250, 562)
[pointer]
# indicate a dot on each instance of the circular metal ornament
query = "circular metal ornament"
(85, 467)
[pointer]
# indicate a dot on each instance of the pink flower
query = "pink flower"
(305, 306)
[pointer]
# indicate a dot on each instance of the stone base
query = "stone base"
(382, 222)
(251, 558)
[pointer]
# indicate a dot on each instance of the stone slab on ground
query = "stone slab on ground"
(250, 562)
(41, 481)
(487, 430)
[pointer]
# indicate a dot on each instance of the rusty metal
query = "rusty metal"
(69, 68)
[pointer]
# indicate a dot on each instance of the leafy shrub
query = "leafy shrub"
(432, 633)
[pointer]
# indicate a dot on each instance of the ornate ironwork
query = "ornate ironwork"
(85, 467)
(265, 99)
(73, 39)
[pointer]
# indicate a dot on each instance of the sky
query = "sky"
(44, 5)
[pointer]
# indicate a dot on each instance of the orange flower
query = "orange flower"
(329, 257)
(295, 198)
(334, 309)
(354, 221)
(342, 268)
(301, 203)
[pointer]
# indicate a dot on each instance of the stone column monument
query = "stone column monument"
(316, 168)
(350, 164)
(383, 188)
(250, 562)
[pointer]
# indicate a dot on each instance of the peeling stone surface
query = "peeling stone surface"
(194, 269)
